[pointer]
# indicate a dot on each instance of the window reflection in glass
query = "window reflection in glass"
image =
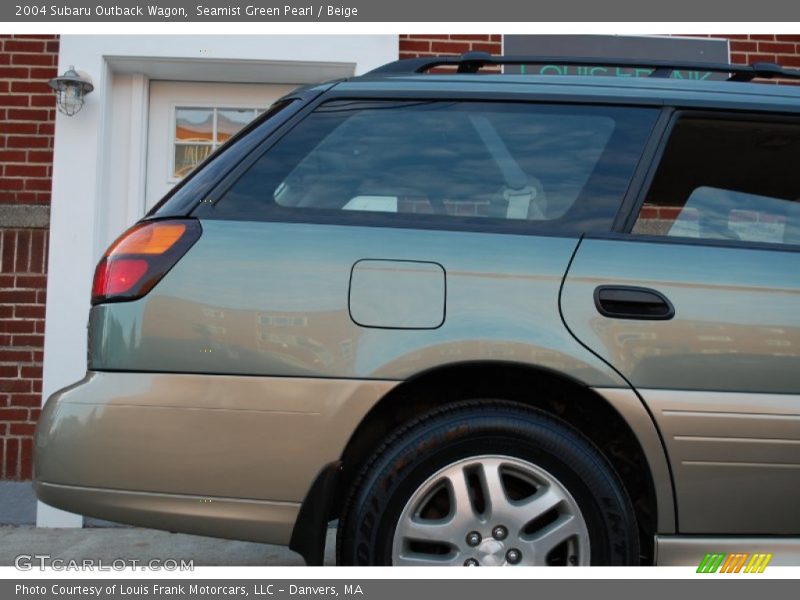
(188, 156)
(194, 124)
(231, 120)
(200, 131)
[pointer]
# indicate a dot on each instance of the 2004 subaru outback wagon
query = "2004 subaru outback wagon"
(479, 319)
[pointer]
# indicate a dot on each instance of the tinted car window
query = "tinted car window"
(564, 167)
(727, 180)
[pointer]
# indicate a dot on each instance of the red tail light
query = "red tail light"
(140, 258)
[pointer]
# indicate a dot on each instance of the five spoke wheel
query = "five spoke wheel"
(491, 510)
(485, 483)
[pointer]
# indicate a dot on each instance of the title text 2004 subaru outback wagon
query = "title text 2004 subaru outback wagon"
(479, 319)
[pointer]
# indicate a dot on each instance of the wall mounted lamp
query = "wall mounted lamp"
(71, 89)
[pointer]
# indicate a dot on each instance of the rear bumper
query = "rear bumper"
(224, 456)
(252, 520)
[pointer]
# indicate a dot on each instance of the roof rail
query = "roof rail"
(471, 62)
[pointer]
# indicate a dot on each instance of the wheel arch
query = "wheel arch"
(555, 393)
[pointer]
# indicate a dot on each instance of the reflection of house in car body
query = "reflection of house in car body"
(160, 105)
(247, 336)
(236, 338)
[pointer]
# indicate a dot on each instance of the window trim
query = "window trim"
(644, 172)
(686, 241)
(279, 214)
(626, 230)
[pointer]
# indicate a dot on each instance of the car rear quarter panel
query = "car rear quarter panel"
(215, 437)
(272, 299)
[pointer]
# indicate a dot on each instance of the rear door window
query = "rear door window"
(726, 179)
(446, 164)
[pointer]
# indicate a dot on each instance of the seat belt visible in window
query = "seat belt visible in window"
(518, 193)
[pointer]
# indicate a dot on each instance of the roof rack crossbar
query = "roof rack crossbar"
(471, 62)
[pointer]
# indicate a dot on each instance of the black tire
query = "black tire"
(450, 434)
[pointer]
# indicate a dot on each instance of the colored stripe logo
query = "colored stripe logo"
(739, 562)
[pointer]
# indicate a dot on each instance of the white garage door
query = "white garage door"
(189, 120)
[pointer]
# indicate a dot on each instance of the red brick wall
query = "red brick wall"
(27, 116)
(419, 45)
(747, 49)
(22, 298)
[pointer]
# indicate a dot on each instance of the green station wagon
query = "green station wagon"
(478, 319)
